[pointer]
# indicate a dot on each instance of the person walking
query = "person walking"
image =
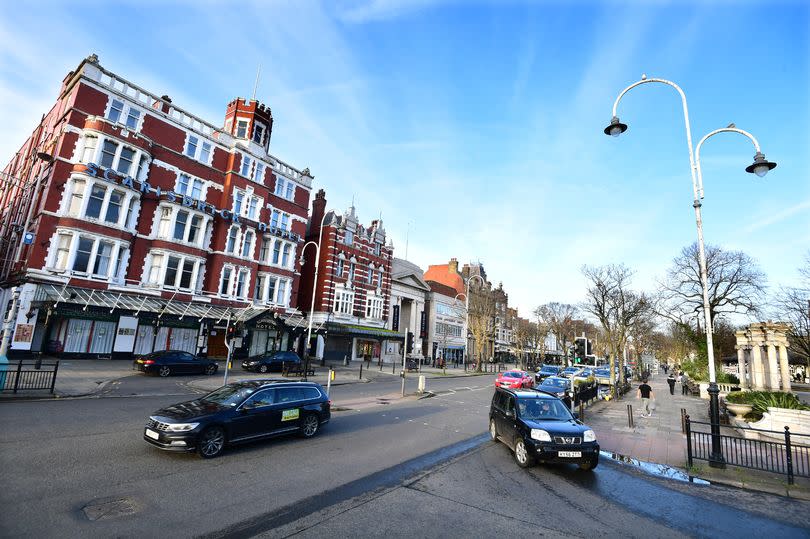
(671, 382)
(645, 393)
(684, 384)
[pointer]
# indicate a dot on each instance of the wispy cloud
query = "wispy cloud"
(779, 216)
(363, 11)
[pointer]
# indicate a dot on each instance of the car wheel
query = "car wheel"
(310, 425)
(210, 369)
(493, 431)
(522, 456)
(263, 369)
(164, 371)
(211, 442)
(588, 465)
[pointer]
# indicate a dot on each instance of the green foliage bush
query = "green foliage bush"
(762, 400)
(699, 370)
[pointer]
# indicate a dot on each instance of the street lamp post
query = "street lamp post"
(314, 286)
(760, 167)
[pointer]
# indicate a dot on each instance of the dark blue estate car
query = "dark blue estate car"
(539, 427)
(545, 371)
(239, 412)
(271, 362)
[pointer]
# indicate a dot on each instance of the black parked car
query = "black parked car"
(166, 362)
(271, 362)
(545, 371)
(539, 427)
(237, 413)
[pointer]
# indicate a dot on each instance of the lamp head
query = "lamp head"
(301, 261)
(615, 128)
(760, 166)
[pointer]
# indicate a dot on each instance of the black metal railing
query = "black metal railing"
(28, 375)
(780, 455)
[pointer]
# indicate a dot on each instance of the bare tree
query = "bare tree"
(559, 318)
(617, 308)
(735, 285)
(793, 305)
(481, 317)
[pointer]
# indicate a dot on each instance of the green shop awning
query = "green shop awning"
(334, 328)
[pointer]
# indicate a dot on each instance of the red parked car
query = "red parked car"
(515, 379)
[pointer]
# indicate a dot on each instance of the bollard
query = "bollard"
(393, 367)
(345, 361)
(630, 422)
(381, 364)
(361, 370)
(421, 384)
(329, 381)
(581, 411)
(683, 420)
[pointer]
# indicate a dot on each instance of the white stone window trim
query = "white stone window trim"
(95, 157)
(237, 121)
(196, 276)
(202, 235)
(343, 302)
(281, 190)
(277, 290)
(89, 182)
(76, 234)
(197, 154)
(192, 178)
(374, 306)
(127, 107)
(236, 271)
(248, 197)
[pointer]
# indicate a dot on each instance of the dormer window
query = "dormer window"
(258, 133)
(242, 128)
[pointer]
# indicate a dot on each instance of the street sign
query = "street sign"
(28, 238)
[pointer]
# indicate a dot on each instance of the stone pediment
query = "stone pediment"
(412, 279)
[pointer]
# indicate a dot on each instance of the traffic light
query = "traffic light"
(579, 348)
(409, 346)
(231, 332)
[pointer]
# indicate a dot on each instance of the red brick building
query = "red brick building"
(353, 287)
(142, 227)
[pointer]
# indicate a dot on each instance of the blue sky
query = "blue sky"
(475, 127)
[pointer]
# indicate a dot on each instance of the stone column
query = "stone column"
(773, 367)
(784, 367)
(741, 367)
(757, 372)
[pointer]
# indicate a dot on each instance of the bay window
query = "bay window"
(264, 250)
(272, 289)
(89, 150)
(87, 255)
(188, 186)
(276, 251)
(76, 198)
(174, 271)
(241, 283)
(374, 307)
(233, 235)
(95, 201)
(285, 256)
(174, 223)
(113, 212)
(225, 282)
(284, 188)
(247, 163)
(344, 301)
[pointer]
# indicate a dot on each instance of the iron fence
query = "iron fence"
(777, 456)
(28, 375)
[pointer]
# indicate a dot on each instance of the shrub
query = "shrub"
(762, 400)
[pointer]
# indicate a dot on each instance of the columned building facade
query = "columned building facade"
(143, 227)
(408, 311)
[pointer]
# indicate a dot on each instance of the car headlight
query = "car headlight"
(589, 436)
(540, 435)
(181, 427)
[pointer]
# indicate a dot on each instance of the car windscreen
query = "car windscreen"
(230, 395)
(512, 375)
(602, 372)
(549, 369)
(556, 382)
(542, 410)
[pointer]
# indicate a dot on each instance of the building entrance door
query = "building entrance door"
(216, 343)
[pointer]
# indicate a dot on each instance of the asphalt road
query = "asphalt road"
(80, 468)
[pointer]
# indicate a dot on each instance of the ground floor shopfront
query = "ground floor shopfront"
(346, 342)
(73, 322)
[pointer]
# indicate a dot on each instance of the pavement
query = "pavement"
(657, 439)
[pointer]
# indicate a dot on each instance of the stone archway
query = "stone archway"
(762, 357)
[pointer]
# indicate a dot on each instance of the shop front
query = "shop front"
(355, 343)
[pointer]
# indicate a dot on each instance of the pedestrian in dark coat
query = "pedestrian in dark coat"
(671, 382)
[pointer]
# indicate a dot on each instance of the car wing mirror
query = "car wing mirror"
(510, 413)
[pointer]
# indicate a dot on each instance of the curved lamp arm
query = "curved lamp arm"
(645, 80)
(713, 133)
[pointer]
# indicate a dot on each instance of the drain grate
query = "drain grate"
(110, 508)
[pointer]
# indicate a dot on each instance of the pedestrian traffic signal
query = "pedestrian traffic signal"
(579, 348)
(231, 331)
(409, 346)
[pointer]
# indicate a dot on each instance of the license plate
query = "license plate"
(152, 434)
(572, 454)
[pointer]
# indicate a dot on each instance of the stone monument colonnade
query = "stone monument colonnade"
(763, 348)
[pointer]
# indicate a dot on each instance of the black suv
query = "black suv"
(237, 413)
(273, 361)
(539, 427)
